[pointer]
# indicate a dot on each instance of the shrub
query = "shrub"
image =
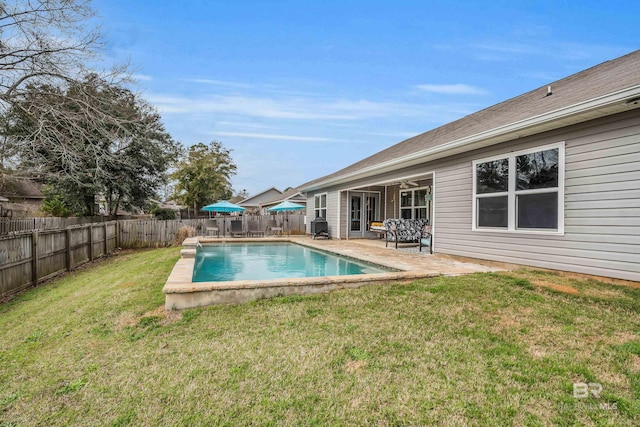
(163, 213)
(184, 232)
(55, 206)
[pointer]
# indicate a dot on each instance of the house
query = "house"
(254, 203)
(22, 198)
(293, 195)
(549, 179)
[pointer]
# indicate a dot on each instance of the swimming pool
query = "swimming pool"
(273, 260)
(182, 292)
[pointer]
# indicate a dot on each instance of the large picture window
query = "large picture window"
(520, 191)
(320, 205)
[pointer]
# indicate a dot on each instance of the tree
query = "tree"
(45, 50)
(203, 175)
(243, 194)
(44, 41)
(91, 138)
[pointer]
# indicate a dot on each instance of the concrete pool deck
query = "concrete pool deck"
(182, 293)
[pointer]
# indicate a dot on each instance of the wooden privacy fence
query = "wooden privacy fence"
(28, 257)
(11, 225)
(292, 223)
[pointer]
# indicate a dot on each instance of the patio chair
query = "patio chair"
(254, 229)
(274, 228)
(427, 239)
(211, 227)
(236, 228)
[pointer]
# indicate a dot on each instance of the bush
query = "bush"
(164, 213)
(55, 206)
(184, 232)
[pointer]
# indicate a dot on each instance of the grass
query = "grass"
(95, 348)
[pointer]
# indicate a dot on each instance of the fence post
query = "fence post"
(34, 257)
(118, 239)
(106, 239)
(90, 228)
(68, 248)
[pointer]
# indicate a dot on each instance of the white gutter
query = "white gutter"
(441, 150)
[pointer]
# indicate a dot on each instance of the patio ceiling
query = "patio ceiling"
(388, 182)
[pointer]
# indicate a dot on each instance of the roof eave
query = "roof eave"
(573, 114)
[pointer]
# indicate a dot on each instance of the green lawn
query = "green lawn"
(95, 348)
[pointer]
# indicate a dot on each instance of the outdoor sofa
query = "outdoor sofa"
(401, 230)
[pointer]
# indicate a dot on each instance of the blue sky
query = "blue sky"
(300, 89)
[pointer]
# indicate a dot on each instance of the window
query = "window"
(520, 191)
(320, 205)
(492, 186)
(414, 204)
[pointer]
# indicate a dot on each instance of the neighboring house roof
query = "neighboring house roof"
(605, 89)
(293, 195)
(23, 189)
(236, 199)
(260, 198)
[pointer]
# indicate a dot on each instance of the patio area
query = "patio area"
(409, 264)
(406, 257)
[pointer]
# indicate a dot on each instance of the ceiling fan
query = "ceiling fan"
(405, 183)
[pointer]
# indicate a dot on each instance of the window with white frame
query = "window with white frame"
(414, 203)
(520, 191)
(320, 205)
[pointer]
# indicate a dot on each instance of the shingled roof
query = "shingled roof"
(603, 79)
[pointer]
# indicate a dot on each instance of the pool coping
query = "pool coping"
(181, 292)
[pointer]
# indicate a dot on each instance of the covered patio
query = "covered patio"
(407, 196)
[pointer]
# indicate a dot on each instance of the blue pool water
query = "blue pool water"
(237, 261)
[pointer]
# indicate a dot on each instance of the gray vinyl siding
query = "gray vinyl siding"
(311, 200)
(332, 210)
(344, 211)
(332, 213)
(602, 204)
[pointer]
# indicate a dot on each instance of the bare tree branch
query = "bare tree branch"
(44, 41)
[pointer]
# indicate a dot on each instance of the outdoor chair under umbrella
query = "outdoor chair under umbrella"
(285, 207)
(223, 206)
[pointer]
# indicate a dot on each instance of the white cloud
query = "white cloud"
(453, 89)
(302, 108)
(246, 106)
(567, 51)
(225, 83)
(275, 136)
(142, 77)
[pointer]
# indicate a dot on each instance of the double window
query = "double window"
(320, 203)
(414, 204)
(520, 191)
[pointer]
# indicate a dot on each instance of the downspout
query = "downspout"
(366, 214)
(386, 193)
(433, 207)
(338, 215)
(348, 211)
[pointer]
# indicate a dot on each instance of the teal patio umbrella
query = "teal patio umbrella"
(285, 207)
(223, 206)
